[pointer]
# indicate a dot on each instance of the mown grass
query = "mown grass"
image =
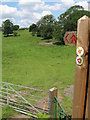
(27, 63)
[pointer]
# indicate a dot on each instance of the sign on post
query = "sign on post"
(81, 93)
(70, 38)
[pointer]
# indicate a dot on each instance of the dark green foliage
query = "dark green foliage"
(68, 21)
(7, 27)
(49, 28)
(48, 19)
(47, 32)
(45, 26)
(33, 28)
(16, 27)
(38, 32)
(71, 23)
(58, 33)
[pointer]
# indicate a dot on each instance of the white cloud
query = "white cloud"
(28, 1)
(24, 23)
(68, 2)
(45, 13)
(8, 12)
(34, 5)
(38, 15)
(55, 7)
(32, 18)
(31, 5)
(30, 11)
(84, 4)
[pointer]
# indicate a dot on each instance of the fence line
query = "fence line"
(20, 86)
(26, 102)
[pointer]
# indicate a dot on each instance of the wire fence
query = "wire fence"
(26, 100)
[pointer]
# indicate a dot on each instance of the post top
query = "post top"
(52, 89)
(84, 17)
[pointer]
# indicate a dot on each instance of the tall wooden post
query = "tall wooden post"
(89, 97)
(52, 94)
(81, 71)
(88, 106)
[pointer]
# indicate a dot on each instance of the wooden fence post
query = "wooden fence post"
(88, 105)
(88, 93)
(52, 94)
(89, 97)
(81, 71)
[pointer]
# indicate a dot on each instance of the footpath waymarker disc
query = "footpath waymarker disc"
(80, 51)
(79, 61)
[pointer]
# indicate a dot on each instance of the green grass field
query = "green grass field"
(27, 63)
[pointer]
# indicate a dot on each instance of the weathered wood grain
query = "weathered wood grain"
(81, 71)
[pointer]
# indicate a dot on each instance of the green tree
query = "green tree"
(45, 26)
(58, 33)
(47, 31)
(7, 27)
(68, 21)
(15, 27)
(33, 29)
(47, 19)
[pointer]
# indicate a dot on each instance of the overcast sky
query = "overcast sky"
(26, 12)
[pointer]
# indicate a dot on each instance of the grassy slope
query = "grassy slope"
(27, 63)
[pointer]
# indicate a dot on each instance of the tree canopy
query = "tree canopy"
(7, 27)
(45, 26)
(68, 21)
(47, 19)
(48, 27)
(15, 27)
(33, 29)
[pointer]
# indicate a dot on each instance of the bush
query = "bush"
(38, 33)
(47, 31)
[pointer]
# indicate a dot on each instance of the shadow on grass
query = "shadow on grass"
(10, 35)
(58, 43)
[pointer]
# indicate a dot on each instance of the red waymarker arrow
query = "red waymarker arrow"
(66, 37)
(73, 39)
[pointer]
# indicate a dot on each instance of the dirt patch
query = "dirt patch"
(13, 97)
(69, 91)
(44, 103)
(50, 43)
(19, 116)
(46, 43)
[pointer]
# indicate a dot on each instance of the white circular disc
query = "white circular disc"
(80, 51)
(79, 60)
